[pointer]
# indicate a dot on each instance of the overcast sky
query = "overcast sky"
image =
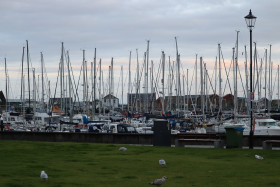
(116, 27)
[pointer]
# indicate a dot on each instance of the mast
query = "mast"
(278, 87)
(196, 81)
(110, 98)
(220, 82)
(112, 82)
(94, 84)
(146, 74)
(99, 103)
(129, 84)
(7, 98)
(169, 84)
(152, 85)
(28, 78)
(84, 83)
(34, 90)
(22, 82)
(234, 85)
(137, 81)
(215, 91)
(184, 94)
(87, 88)
(202, 87)
(70, 88)
(256, 75)
(247, 81)
(235, 80)
(162, 81)
(265, 81)
(270, 81)
(49, 93)
(102, 80)
(92, 90)
(205, 88)
(178, 89)
(62, 76)
(187, 89)
(42, 77)
(122, 85)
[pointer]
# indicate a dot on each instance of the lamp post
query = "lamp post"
(250, 21)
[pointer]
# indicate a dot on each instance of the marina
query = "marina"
(139, 93)
(92, 96)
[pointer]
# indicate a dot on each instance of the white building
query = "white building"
(110, 101)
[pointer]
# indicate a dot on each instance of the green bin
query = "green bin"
(234, 136)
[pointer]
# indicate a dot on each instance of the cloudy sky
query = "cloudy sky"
(115, 27)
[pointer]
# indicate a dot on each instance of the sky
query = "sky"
(116, 27)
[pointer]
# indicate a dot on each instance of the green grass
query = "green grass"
(89, 164)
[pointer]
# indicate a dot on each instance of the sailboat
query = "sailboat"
(29, 113)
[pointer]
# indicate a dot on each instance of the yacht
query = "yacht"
(263, 126)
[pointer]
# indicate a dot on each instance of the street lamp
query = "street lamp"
(250, 21)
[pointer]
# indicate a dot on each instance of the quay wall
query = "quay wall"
(110, 138)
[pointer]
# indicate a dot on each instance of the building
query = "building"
(110, 101)
(141, 100)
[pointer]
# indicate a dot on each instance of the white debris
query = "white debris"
(122, 149)
(162, 162)
(259, 157)
(159, 182)
(44, 175)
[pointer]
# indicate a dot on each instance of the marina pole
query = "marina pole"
(250, 21)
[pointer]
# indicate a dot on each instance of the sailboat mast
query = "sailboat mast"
(220, 81)
(215, 91)
(34, 90)
(92, 89)
(122, 85)
(129, 84)
(234, 77)
(49, 93)
(265, 80)
(195, 81)
(61, 76)
(162, 81)
(278, 87)
(42, 77)
(22, 81)
(137, 81)
(178, 75)
(112, 81)
(205, 88)
(94, 84)
(235, 80)
(102, 80)
(147, 76)
(28, 78)
(87, 87)
(201, 87)
(170, 83)
(187, 89)
(152, 85)
(70, 88)
(184, 94)
(247, 81)
(99, 103)
(7, 97)
(84, 82)
(270, 81)
(110, 98)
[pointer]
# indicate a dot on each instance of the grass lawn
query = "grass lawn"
(89, 164)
